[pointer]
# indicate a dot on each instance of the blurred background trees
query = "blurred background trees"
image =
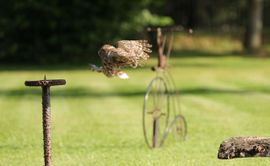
(254, 25)
(72, 31)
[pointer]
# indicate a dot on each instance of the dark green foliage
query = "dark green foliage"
(207, 13)
(211, 14)
(71, 31)
(61, 31)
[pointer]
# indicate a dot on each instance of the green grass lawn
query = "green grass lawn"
(98, 121)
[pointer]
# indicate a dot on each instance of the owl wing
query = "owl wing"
(135, 47)
(131, 52)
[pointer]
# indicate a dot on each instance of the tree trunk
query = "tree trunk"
(244, 147)
(254, 26)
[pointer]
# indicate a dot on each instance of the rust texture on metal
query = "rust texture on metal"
(46, 114)
(161, 44)
(155, 132)
(45, 82)
(162, 40)
(46, 120)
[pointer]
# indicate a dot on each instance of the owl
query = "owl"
(128, 53)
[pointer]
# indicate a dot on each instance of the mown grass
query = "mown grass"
(98, 121)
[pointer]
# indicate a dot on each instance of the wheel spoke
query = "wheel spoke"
(155, 112)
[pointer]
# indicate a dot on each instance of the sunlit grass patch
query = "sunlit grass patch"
(98, 120)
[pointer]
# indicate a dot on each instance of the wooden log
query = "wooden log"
(244, 147)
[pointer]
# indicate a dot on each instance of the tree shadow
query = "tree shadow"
(78, 92)
(209, 91)
(83, 92)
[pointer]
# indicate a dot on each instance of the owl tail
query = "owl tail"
(122, 75)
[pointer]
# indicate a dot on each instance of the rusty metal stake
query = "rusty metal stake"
(46, 114)
(155, 132)
(161, 45)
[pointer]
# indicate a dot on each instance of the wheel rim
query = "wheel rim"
(178, 128)
(156, 111)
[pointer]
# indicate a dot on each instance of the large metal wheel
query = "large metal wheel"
(156, 110)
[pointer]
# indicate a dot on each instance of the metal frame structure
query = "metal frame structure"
(46, 113)
(161, 110)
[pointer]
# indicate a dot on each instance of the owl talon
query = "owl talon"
(122, 75)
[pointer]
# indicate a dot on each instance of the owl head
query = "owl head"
(104, 50)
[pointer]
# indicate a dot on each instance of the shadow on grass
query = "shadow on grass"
(82, 92)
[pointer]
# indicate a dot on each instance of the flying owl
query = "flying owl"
(128, 53)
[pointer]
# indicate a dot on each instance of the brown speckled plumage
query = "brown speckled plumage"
(128, 53)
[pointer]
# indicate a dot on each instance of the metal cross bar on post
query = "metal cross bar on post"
(46, 113)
